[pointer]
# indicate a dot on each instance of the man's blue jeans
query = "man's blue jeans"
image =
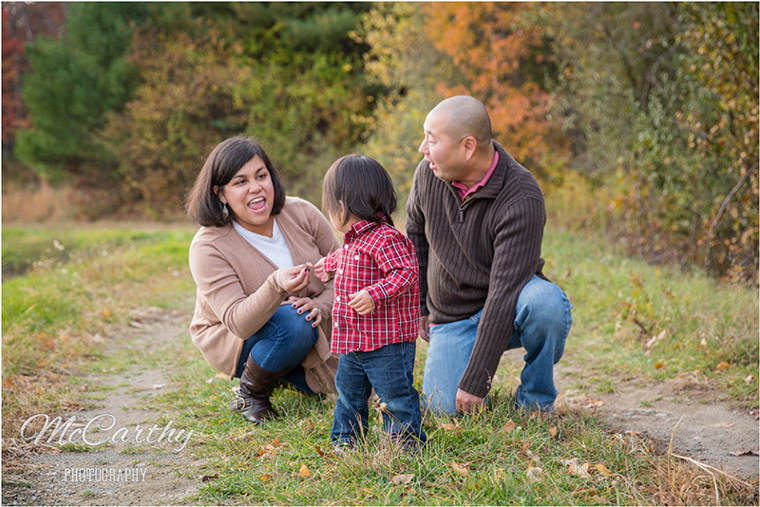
(389, 370)
(542, 323)
(281, 343)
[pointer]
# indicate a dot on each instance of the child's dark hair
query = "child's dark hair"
(362, 185)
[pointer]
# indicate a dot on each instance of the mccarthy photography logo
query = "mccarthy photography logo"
(100, 430)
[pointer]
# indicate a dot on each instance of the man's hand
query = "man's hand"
(361, 302)
(425, 328)
(467, 403)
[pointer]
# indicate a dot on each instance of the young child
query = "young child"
(377, 309)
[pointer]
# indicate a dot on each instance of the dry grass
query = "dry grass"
(33, 202)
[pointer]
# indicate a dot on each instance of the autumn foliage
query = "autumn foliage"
(641, 119)
(502, 58)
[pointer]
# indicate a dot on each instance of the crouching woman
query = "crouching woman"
(260, 314)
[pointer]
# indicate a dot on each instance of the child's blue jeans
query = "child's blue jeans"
(389, 370)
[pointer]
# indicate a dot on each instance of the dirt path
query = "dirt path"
(686, 408)
(123, 473)
(703, 429)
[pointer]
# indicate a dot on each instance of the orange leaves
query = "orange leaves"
(270, 450)
(493, 45)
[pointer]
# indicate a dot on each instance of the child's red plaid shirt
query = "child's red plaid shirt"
(382, 261)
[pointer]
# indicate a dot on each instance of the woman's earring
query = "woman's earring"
(225, 211)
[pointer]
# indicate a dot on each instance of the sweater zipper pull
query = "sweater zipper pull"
(461, 215)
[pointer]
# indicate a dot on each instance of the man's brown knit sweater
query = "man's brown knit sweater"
(476, 254)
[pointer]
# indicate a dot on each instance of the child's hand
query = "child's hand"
(319, 271)
(361, 302)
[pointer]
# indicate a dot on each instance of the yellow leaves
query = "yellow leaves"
(659, 365)
(304, 471)
(602, 470)
(723, 365)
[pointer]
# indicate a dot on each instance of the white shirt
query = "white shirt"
(274, 248)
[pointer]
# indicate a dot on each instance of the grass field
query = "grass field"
(647, 322)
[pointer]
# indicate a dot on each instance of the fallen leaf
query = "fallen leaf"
(266, 477)
(574, 468)
(402, 479)
(723, 365)
(602, 470)
(533, 473)
(703, 342)
(748, 379)
(321, 452)
(508, 426)
(657, 338)
(525, 446)
(748, 452)
(208, 478)
(446, 426)
(304, 471)
(553, 431)
(659, 365)
(589, 403)
(585, 491)
(461, 468)
(723, 425)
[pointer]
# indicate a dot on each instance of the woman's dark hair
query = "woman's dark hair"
(362, 185)
(222, 164)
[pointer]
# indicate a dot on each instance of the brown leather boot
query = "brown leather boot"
(256, 386)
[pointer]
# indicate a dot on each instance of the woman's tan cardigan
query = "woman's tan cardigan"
(238, 292)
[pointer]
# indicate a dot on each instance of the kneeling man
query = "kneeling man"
(476, 218)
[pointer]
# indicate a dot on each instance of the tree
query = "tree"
(186, 104)
(209, 71)
(403, 61)
(22, 24)
(74, 82)
(663, 100)
(504, 58)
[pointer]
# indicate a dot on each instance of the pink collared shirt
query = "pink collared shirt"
(465, 192)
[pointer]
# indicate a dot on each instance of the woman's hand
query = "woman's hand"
(308, 307)
(294, 279)
(319, 271)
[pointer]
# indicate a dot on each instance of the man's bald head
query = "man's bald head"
(464, 116)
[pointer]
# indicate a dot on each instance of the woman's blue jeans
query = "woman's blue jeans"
(542, 322)
(281, 343)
